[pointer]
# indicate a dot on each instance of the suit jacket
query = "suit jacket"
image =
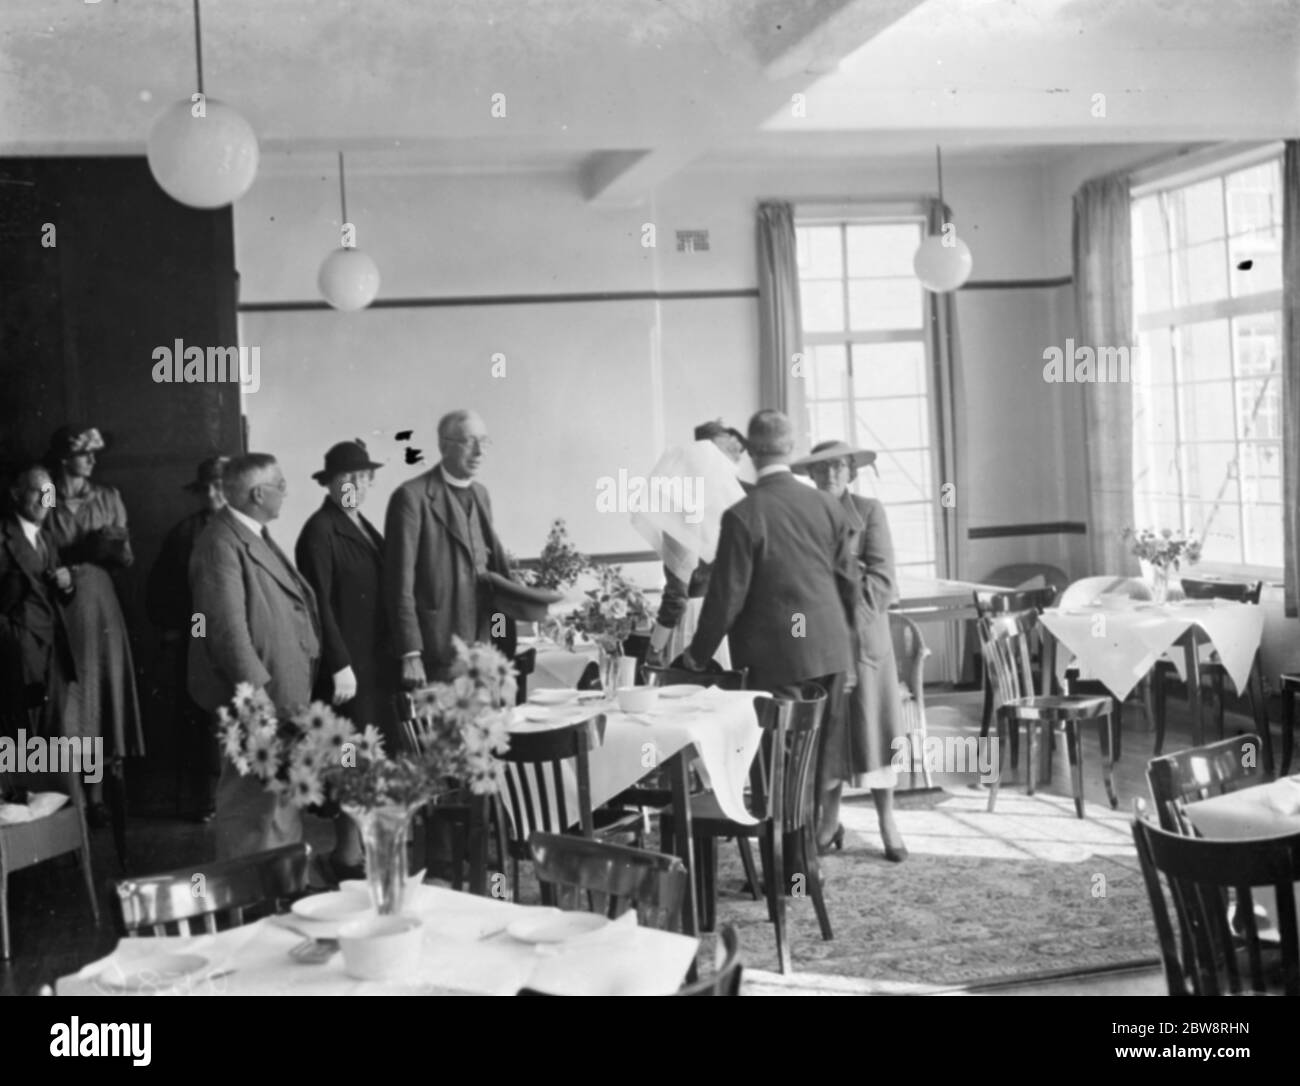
(873, 548)
(672, 604)
(344, 565)
(31, 624)
(430, 587)
(167, 595)
(261, 619)
(784, 586)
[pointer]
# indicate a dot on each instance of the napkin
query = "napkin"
(38, 805)
(1284, 796)
(612, 960)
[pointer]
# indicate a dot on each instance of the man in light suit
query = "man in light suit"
(439, 544)
(262, 628)
(784, 585)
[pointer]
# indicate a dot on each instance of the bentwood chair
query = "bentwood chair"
(991, 602)
(26, 844)
(781, 778)
(728, 969)
(910, 652)
(1211, 959)
(594, 876)
(1005, 640)
(1200, 772)
(206, 897)
(1290, 686)
(1212, 668)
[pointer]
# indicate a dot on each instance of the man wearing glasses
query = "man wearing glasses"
(439, 546)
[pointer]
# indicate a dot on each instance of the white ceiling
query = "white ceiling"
(632, 90)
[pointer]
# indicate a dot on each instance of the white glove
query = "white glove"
(345, 686)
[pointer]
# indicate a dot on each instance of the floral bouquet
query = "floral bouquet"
(612, 612)
(560, 563)
(1165, 549)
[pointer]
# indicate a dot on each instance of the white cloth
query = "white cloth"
(31, 532)
(248, 522)
(1266, 810)
(706, 480)
(452, 480)
(1119, 646)
(460, 954)
(771, 469)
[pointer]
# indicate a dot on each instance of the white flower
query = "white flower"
(305, 787)
(371, 744)
(262, 753)
(243, 695)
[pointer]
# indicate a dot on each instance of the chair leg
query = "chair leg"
(776, 892)
(986, 717)
(4, 914)
(1218, 698)
(1031, 759)
(815, 883)
(1113, 734)
(1015, 746)
(1161, 701)
(83, 855)
(1259, 712)
(1076, 764)
(747, 862)
(1110, 730)
(997, 781)
(1288, 728)
(116, 788)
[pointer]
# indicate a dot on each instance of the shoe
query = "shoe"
(97, 816)
(896, 855)
(836, 842)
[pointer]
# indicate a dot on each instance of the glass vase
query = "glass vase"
(383, 836)
(1159, 584)
(611, 656)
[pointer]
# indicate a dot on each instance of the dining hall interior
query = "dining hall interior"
(774, 497)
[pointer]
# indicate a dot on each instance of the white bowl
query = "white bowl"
(637, 699)
(381, 947)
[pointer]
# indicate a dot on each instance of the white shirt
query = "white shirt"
(247, 521)
(451, 480)
(771, 469)
(31, 531)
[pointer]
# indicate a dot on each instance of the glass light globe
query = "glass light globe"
(941, 267)
(348, 279)
(208, 161)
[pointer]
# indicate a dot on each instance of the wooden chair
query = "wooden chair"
(910, 653)
(1212, 668)
(673, 676)
(991, 602)
(1201, 772)
(727, 975)
(1005, 639)
(25, 844)
(1214, 960)
(196, 897)
(781, 785)
(534, 796)
(594, 876)
(1290, 686)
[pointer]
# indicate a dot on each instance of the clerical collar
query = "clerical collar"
(771, 469)
(451, 480)
(30, 530)
(247, 521)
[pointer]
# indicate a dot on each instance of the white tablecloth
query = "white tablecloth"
(722, 725)
(1266, 810)
(620, 959)
(1119, 646)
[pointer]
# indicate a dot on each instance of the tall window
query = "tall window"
(868, 379)
(1207, 407)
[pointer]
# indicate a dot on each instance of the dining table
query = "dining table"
(951, 604)
(469, 945)
(1117, 641)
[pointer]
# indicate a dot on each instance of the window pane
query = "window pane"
(1260, 472)
(1151, 283)
(1206, 415)
(1254, 197)
(1259, 409)
(1219, 529)
(1200, 273)
(822, 304)
(827, 371)
(877, 304)
(828, 421)
(896, 423)
(904, 477)
(1211, 473)
(1259, 344)
(1156, 360)
(889, 369)
(1203, 352)
(1256, 261)
(1264, 534)
(1149, 232)
(1155, 415)
(883, 250)
(1156, 469)
(1197, 212)
(819, 251)
(912, 527)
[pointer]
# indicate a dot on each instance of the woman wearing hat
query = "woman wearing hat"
(860, 749)
(341, 554)
(88, 527)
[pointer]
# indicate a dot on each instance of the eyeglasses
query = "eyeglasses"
(828, 468)
(478, 444)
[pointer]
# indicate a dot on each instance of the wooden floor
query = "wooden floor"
(54, 935)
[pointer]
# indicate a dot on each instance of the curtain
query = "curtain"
(1291, 370)
(1103, 295)
(780, 329)
(948, 418)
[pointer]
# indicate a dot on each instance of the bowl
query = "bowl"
(380, 947)
(636, 699)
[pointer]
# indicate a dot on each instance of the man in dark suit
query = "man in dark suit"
(170, 607)
(784, 584)
(36, 664)
(440, 546)
(262, 628)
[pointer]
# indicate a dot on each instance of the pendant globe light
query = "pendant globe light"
(202, 152)
(349, 279)
(943, 262)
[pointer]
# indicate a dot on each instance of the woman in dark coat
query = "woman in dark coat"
(863, 751)
(341, 554)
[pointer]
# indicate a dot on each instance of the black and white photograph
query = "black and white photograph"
(651, 498)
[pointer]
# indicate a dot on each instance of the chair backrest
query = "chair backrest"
(1086, 591)
(910, 652)
(1005, 645)
(726, 976)
(1200, 772)
(1020, 574)
(592, 876)
(672, 676)
(525, 665)
(197, 896)
(534, 795)
(1241, 591)
(1213, 960)
(992, 602)
(782, 777)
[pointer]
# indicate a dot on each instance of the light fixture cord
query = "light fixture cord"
(198, 46)
(938, 158)
(343, 192)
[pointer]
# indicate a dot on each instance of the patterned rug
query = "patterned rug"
(1025, 891)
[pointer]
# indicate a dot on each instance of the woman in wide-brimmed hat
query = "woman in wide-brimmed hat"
(859, 748)
(341, 554)
(88, 527)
